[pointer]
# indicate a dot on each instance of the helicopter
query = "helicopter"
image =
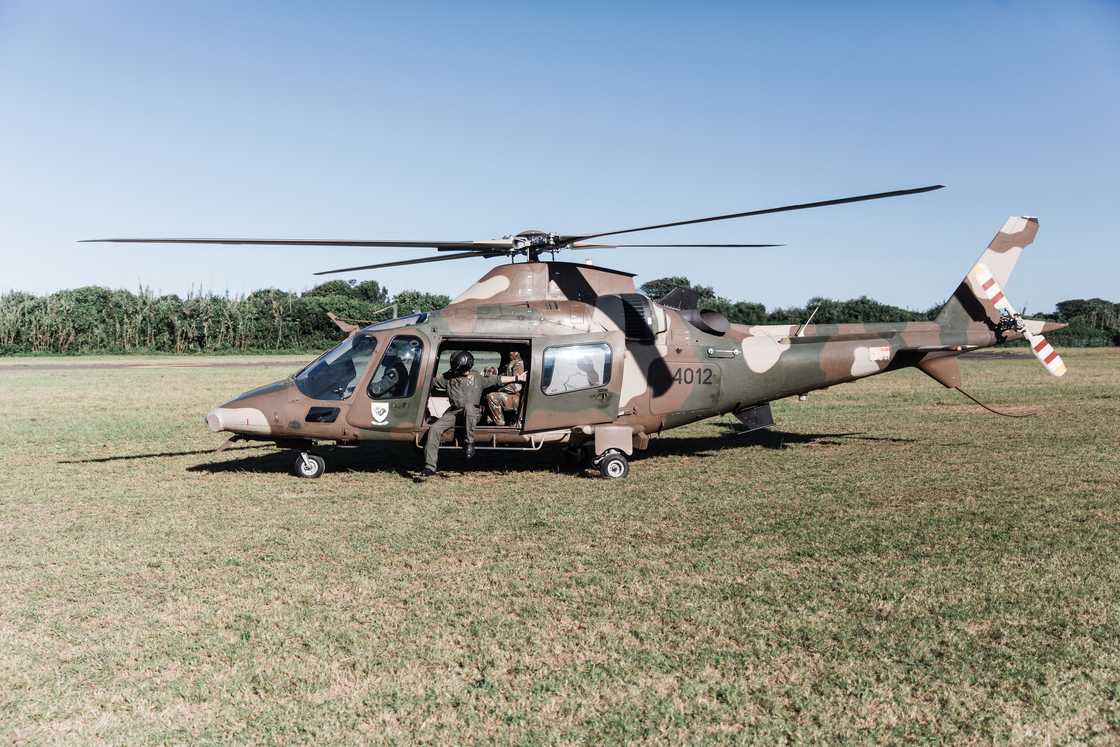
(606, 368)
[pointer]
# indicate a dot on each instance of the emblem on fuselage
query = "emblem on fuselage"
(380, 412)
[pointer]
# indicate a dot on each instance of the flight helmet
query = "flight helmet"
(462, 362)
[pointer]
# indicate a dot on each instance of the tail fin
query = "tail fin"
(970, 302)
(980, 296)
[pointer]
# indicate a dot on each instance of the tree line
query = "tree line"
(100, 320)
(1093, 322)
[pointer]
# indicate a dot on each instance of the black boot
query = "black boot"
(429, 472)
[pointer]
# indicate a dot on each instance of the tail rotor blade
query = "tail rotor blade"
(1046, 354)
(985, 286)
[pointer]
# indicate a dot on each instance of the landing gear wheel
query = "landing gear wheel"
(614, 466)
(309, 466)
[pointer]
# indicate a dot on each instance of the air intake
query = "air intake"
(632, 312)
(706, 320)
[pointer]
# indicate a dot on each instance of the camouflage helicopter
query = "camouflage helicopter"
(606, 367)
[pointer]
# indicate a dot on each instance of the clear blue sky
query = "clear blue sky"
(460, 121)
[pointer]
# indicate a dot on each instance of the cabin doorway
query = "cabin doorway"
(503, 406)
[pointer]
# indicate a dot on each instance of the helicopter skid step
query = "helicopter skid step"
(489, 442)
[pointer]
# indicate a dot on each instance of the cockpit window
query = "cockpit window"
(336, 374)
(395, 377)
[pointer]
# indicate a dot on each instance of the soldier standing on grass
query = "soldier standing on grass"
(464, 389)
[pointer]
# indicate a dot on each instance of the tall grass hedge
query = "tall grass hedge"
(92, 319)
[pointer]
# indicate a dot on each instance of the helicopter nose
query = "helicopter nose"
(238, 420)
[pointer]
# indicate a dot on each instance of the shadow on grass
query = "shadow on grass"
(407, 462)
(733, 438)
(155, 455)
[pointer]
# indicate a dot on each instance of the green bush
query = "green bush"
(87, 320)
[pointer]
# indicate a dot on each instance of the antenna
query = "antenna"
(801, 329)
(801, 333)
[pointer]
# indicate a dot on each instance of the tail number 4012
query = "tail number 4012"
(698, 375)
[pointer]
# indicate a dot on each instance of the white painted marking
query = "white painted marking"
(862, 363)
(484, 289)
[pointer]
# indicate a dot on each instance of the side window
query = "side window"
(569, 368)
(395, 377)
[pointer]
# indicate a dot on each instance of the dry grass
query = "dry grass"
(906, 567)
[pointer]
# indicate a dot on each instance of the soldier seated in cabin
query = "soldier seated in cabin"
(507, 397)
(486, 414)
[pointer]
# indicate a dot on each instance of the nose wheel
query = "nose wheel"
(310, 466)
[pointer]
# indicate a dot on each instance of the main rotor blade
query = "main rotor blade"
(492, 244)
(423, 260)
(765, 211)
(678, 246)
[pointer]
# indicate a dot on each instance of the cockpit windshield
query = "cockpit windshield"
(336, 374)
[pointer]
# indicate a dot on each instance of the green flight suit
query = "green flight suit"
(465, 393)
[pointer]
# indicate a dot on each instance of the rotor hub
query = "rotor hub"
(532, 242)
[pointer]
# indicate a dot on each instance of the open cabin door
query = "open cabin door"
(574, 380)
(389, 395)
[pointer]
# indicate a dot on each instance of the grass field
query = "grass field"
(891, 564)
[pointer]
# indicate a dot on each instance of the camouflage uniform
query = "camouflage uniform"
(465, 393)
(509, 396)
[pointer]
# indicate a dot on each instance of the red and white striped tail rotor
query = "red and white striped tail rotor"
(1046, 354)
(985, 286)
